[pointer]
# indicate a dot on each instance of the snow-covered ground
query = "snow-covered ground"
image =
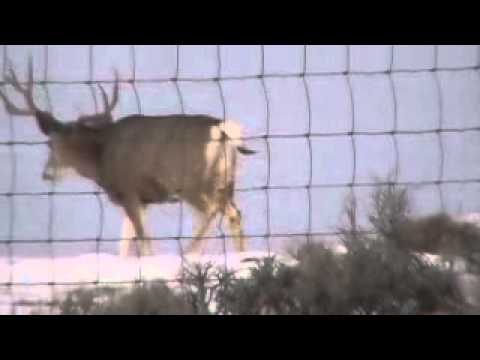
(41, 278)
(321, 102)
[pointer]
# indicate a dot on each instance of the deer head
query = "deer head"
(73, 144)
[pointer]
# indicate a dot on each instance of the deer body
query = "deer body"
(146, 160)
(168, 156)
(140, 160)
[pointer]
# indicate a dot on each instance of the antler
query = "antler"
(101, 119)
(110, 106)
(27, 92)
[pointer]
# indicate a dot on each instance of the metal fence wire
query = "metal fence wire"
(220, 79)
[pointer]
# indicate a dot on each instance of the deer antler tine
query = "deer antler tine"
(26, 92)
(30, 70)
(109, 106)
(5, 100)
(13, 109)
(30, 73)
(115, 92)
(10, 68)
(105, 98)
(29, 90)
(14, 80)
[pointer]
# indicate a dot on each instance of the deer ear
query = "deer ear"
(47, 122)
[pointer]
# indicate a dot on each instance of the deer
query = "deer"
(140, 160)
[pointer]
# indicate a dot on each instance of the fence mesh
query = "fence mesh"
(354, 134)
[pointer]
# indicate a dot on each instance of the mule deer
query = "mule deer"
(141, 160)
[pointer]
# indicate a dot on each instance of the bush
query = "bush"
(381, 272)
(143, 299)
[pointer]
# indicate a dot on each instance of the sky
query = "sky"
(343, 86)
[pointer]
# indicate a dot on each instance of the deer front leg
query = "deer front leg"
(136, 214)
(129, 234)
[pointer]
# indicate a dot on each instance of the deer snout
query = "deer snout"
(48, 175)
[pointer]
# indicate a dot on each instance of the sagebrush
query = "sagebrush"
(380, 272)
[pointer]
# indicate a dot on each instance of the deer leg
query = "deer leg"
(145, 242)
(235, 223)
(136, 213)
(128, 233)
(206, 216)
(199, 241)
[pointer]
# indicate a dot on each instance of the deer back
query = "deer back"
(180, 154)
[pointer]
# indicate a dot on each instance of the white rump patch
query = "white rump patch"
(213, 148)
(233, 130)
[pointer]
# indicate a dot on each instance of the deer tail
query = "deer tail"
(233, 131)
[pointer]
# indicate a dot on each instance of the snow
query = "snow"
(37, 279)
(41, 278)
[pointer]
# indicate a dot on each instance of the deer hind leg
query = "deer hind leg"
(136, 214)
(235, 224)
(203, 228)
(207, 210)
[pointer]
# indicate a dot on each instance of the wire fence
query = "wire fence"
(310, 135)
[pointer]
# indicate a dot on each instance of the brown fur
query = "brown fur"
(140, 160)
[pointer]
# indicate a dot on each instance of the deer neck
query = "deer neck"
(89, 171)
(87, 160)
